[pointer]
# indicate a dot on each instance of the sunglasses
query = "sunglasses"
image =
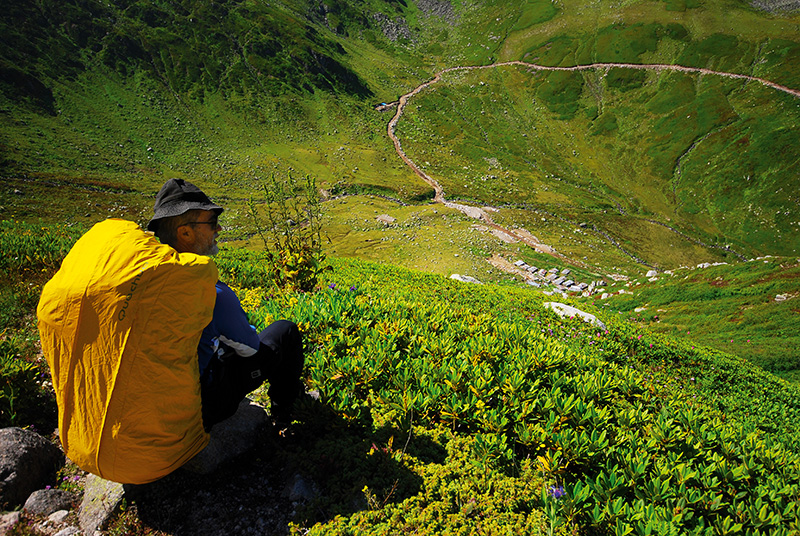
(212, 222)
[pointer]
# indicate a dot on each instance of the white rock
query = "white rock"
(58, 516)
(564, 310)
(465, 279)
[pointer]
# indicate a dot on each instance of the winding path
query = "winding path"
(477, 212)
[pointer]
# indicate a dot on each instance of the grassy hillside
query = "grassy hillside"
(619, 170)
(491, 414)
(747, 309)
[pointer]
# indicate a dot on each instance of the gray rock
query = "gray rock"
(298, 489)
(230, 438)
(59, 516)
(69, 531)
(28, 462)
(564, 310)
(46, 501)
(465, 279)
(102, 500)
(7, 521)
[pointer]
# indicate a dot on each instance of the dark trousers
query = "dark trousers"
(279, 360)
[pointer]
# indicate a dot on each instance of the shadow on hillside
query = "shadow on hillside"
(329, 467)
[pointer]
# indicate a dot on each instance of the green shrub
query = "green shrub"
(617, 439)
(291, 231)
(25, 396)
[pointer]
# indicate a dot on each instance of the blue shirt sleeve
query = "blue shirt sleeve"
(229, 329)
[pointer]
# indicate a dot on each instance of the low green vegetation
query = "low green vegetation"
(746, 309)
(494, 414)
(584, 428)
(31, 254)
(468, 408)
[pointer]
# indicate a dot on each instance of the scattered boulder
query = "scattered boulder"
(28, 462)
(102, 500)
(386, 219)
(48, 501)
(652, 273)
(465, 279)
(7, 521)
(564, 310)
(59, 516)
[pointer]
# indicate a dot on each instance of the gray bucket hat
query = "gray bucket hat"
(176, 197)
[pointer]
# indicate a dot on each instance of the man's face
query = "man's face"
(205, 229)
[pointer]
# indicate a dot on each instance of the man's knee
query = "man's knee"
(281, 333)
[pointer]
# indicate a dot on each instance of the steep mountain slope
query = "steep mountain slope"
(619, 170)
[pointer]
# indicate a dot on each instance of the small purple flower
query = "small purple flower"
(556, 492)
(353, 288)
(332, 286)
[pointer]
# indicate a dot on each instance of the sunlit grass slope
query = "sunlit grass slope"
(747, 309)
(714, 162)
(450, 407)
(169, 91)
(498, 407)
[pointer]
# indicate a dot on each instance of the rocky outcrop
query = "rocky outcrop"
(28, 462)
(45, 502)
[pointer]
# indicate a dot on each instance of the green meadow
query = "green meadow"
(491, 414)
(450, 407)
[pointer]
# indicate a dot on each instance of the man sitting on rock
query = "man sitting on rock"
(234, 359)
(148, 349)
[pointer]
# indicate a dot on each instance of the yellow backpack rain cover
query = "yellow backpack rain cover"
(120, 323)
